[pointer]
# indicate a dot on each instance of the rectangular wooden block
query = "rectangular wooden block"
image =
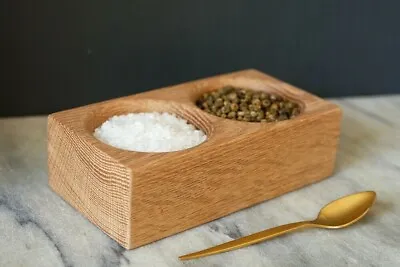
(137, 198)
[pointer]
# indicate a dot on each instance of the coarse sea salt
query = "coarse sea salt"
(149, 132)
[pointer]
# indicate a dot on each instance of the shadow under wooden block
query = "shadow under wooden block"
(137, 198)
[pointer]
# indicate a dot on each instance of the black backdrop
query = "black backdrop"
(62, 54)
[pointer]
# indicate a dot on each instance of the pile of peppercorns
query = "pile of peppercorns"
(247, 105)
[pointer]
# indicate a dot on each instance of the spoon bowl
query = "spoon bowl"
(346, 210)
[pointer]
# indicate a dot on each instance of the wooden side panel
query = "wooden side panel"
(89, 180)
(183, 191)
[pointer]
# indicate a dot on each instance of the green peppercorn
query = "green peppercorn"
(274, 97)
(232, 115)
(219, 102)
(256, 107)
(282, 117)
(253, 114)
(260, 115)
(274, 106)
(266, 103)
(247, 97)
(256, 101)
(241, 93)
(244, 107)
(272, 112)
(270, 116)
(225, 109)
(289, 105)
(282, 111)
(232, 96)
(205, 95)
(256, 96)
(234, 107)
(263, 96)
(215, 94)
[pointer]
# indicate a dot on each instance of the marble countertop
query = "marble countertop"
(37, 228)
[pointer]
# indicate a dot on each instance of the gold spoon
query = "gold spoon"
(337, 214)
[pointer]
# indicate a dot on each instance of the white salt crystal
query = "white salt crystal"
(149, 132)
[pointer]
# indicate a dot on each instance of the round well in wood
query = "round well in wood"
(200, 100)
(103, 112)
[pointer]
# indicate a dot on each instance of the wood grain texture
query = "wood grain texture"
(137, 198)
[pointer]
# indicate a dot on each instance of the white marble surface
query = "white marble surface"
(37, 228)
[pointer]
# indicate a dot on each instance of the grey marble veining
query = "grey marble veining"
(37, 228)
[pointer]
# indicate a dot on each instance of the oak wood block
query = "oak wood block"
(137, 198)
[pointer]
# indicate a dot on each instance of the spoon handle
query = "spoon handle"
(248, 240)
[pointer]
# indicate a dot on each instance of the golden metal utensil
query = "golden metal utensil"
(337, 214)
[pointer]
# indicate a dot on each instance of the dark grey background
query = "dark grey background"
(62, 54)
